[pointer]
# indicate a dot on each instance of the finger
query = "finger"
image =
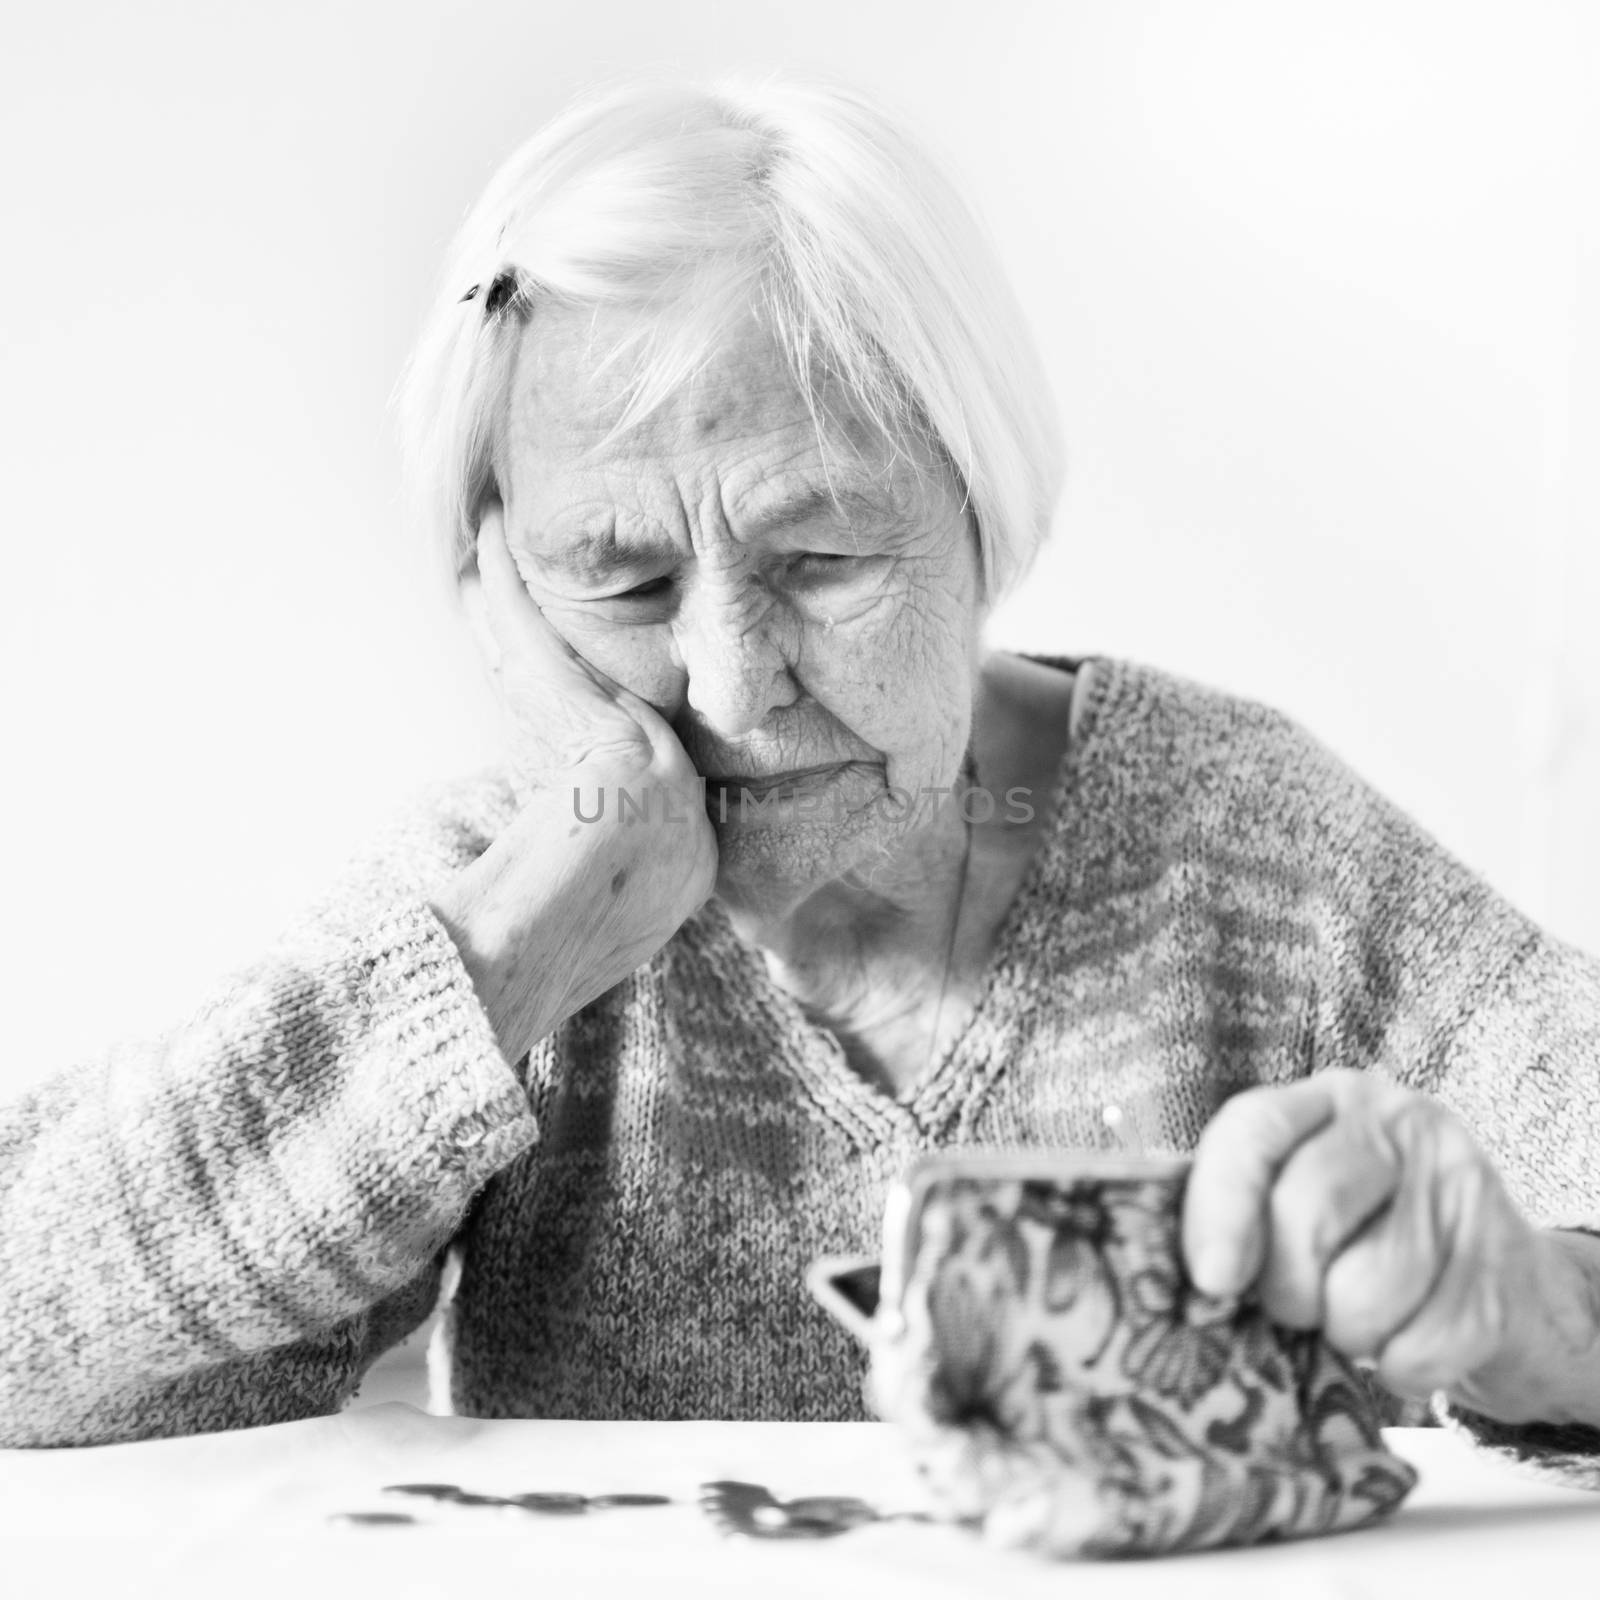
(1381, 1282)
(1330, 1188)
(532, 648)
(1235, 1164)
(1454, 1332)
(1425, 1296)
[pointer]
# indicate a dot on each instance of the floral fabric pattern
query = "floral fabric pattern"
(1062, 1382)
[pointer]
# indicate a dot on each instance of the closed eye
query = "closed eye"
(654, 589)
(817, 564)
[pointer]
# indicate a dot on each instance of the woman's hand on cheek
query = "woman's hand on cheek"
(611, 849)
(563, 714)
(1366, 1210)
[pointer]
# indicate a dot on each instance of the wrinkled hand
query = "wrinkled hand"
(566, 720)
(563, 905)
(1366, 1210)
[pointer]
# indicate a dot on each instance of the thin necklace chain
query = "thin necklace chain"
(969, 772)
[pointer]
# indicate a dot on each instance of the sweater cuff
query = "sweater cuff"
(1563, 1452)
(449, 1077)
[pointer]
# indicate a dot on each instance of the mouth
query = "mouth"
(765, 783)
(728, 794)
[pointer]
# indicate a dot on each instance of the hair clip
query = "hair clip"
(502, 292)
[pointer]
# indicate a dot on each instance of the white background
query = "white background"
(1316, 283)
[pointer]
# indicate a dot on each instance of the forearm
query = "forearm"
(1550, 1369)
(257, 1180)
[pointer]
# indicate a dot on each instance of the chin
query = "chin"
(766, 872)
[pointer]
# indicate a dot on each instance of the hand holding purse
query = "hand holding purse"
(1060, 1381)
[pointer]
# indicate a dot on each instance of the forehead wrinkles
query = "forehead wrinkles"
(566, 396)
(567, 386)
(717, 464)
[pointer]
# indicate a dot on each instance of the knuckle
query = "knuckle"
(1423, 1130)
(1361, 1097)
(1416, 1116)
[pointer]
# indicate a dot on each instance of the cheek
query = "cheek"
(640, 659)
(901, 675)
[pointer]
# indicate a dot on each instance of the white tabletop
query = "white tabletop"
(241, 1514)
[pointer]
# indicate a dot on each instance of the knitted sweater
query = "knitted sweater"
(225, 1226)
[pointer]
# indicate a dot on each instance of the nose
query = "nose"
(735, 664)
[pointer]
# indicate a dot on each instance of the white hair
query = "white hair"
(685, 203)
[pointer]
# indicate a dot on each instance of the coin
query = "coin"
(754, 1511)
(430, 1491)
(550, 1505)
(837, 1513)
(372, 1519)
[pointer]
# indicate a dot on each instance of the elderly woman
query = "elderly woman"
(735, 435)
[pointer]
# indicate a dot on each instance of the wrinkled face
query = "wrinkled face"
(804, 613)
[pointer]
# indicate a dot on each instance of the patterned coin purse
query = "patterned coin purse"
(1036, 1340)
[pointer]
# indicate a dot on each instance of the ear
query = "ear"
(982, 599)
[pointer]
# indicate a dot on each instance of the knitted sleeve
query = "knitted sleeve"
(1431, 977)
(223, 1226)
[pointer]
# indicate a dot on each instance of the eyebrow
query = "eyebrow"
(806, 504)
(602, 553)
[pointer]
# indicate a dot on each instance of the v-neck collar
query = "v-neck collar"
(947, 1093)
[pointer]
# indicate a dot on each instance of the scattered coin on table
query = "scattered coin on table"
(834, 1512)
(550, 1505)
(745, 1508)
(752, 1510)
